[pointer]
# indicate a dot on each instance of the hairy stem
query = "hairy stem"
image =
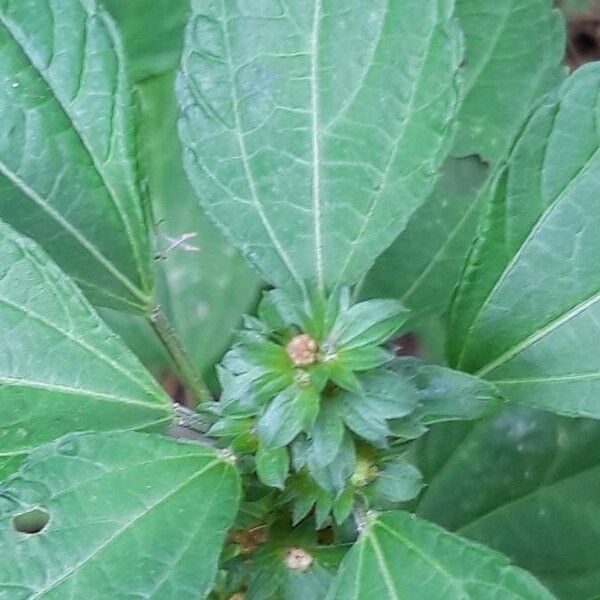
(186, 371)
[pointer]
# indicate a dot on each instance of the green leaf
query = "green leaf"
(67, 166)
(505, 72)
(398, 481)
(384, 394)
(137, 333)
(313, 134)
(371, 322)
(326, 435)
(525, 315)
(401, 556)
(204, 286)
(125, 519)
(360, 418)
(287, 415)
(8, 465)
(334, 476)
(423, 265)
(522, 481)
(506, 75)
(343, 504)
(447, 395)
(290, 564)
(272, 466)
(61, 368)
(364, 358)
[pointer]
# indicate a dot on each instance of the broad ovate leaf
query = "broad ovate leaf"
(399, 555)
(67, 155)
(129, 515)
(508, 68)
(526, 313)
(314, 130)
(61, 367)
(521, 481)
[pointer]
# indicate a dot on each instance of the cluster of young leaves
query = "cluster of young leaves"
(316, 136)
(310, 387)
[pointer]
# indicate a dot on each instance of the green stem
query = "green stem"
(186, 371)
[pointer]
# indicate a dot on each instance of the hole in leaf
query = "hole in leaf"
(32, 521)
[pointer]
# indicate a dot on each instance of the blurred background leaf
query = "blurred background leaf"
(203, 284)
(526, 483)
(501, 90)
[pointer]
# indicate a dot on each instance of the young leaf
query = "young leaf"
(290, 564)
(272, 466)
(371, 322)
(334, 476)
(61, 368)
(506, 76)
(128, 515)
(527, 320)
(383, 395)
(326, 435)
(398, 481)
(533, 481)
(287, 415)
(312, 134)
(67, 167)
(447, 395)
(401, 556)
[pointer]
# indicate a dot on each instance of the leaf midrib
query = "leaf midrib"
(78, 342)
(316, 143)
(239, 134)
(23, 382)
(538, 335)
(425, 557)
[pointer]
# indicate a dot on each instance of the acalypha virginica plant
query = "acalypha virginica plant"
(357, 241)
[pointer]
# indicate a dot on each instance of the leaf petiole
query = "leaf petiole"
(186, 370)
